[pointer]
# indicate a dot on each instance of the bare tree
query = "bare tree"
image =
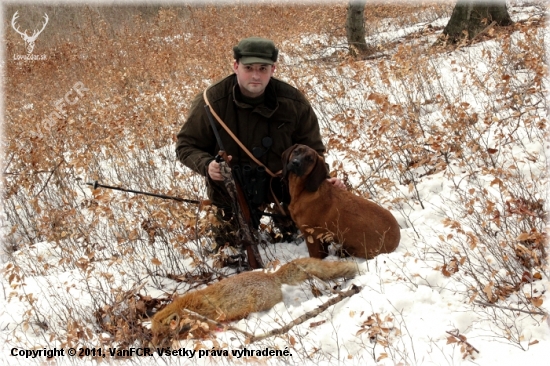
(471, 17)
(355, 27)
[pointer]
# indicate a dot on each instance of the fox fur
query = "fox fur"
(235, 297)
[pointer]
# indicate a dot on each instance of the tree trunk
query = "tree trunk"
(470, 17)
(355, 27)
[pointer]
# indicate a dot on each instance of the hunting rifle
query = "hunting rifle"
(242, 208)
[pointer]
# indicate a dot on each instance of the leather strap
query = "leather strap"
(235, 137)
(273, 175)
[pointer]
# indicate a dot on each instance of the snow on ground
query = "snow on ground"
(406, 303)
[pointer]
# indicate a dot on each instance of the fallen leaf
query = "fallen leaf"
(451, 339)
(537, 301)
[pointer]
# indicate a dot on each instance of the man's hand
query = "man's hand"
(337, 183)
(214, 171)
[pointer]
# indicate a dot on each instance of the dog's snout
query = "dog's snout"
(295, 166)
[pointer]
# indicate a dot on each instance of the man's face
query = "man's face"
(253, 78)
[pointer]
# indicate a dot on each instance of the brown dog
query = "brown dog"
(325, 213)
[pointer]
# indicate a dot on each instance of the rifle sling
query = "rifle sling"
(235, 138)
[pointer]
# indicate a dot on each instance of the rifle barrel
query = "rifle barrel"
(96, 185)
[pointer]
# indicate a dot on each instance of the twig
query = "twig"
(462, 339)
(310, 314)
(511, 309)
(485, 30)
(49, 177)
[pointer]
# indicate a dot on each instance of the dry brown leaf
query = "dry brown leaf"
(537, 301)
(292, 341)
(488, 289)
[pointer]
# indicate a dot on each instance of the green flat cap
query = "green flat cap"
(256, 50)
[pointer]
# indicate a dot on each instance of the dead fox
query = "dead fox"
(235, 297)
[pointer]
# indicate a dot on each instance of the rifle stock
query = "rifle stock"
(241, 209)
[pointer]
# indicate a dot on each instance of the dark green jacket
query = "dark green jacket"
(285, 116)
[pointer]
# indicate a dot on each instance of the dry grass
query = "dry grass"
(137, 71)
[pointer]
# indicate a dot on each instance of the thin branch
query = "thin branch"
(48, 180)
(511, 309)
(310, 314)
(485, 30)
(462, 339)
(32, 173)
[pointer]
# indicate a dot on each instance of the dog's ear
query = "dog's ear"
(286, 156)
(318, 174)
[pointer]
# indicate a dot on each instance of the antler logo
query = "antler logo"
(29, 40)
